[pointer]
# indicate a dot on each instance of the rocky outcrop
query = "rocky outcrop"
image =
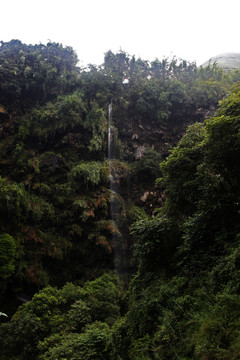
(227, 61)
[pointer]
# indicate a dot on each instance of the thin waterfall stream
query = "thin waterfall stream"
(109, 130)
(116, 204)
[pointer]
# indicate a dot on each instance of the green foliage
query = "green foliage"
(55, 117)
(17, 204)
(147, 168)
(21, 338)
(97, 84)
(79, 315)
(7, 255)
(207, 91)
(135, 213)
(157, 240)
(86, 174)
(230, 105)
(179, 170)
(14, 201)
(92, 344)
(154, 102)
(96, 122)
(105, 295)
(27, 78)
(66, 322)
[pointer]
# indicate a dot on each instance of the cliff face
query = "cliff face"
(136, 136)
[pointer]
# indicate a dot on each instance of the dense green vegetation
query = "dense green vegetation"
(185, 296)
(146, 267)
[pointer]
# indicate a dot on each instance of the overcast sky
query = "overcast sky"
(190, 29)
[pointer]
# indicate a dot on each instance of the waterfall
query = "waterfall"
(109, 130)
(110, 162)
(111, 181)
(116, 204)
(109, 153)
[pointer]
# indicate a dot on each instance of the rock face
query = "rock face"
(226, 61)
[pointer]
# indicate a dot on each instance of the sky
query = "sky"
(189, 29)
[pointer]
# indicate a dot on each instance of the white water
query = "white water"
(111, 179)
(118, 241)
(109, 131)
(113, 192)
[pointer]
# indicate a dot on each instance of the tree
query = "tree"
(73, 322)
(92, 344)
(31, 74)
(7, 255)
